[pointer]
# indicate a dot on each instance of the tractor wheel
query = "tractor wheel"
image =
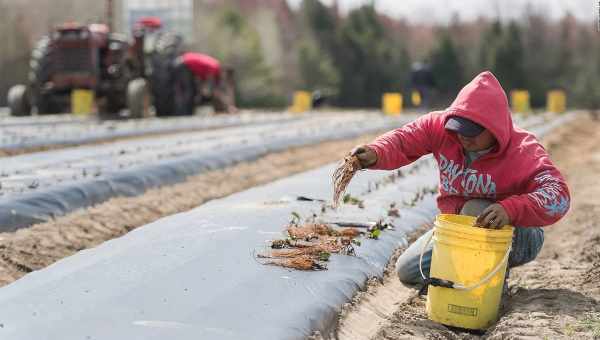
(18, 101)
(168, 47)
(139, 100)
(39, 75)
(164, 103)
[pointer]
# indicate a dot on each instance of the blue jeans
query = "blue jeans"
(527, 243)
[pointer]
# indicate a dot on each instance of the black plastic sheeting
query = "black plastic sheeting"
(193, 275)
(42, 205)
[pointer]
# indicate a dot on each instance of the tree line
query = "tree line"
(354, 58)
(364, 54)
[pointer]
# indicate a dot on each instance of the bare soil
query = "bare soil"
(557, 296)
(36, 247)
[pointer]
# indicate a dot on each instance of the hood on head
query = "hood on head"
(484, 101)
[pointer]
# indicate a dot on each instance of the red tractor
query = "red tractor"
(122, 75)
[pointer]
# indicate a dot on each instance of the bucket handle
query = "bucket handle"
(450, 284)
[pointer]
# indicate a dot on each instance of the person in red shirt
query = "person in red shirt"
(216, 83)
(488, 168)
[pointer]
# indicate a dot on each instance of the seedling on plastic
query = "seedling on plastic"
(375, 233)
(324, 256)
(349, 199)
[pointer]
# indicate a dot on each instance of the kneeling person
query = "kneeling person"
(216, 83)
(489, 168)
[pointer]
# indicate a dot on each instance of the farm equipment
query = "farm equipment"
(120, 73)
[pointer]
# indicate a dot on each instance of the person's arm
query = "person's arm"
(404, 145)
(546, 200)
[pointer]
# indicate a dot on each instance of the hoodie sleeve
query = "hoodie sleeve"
(405, 145)
(546, 200)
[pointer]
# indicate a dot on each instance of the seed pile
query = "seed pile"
(342, 176)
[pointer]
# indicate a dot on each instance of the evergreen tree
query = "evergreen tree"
(490, 40)
(509, 63)
(365, 58)
(315, 52)
(539, 49)
(238, 44)
(564, 71)
(585, 88)
(316, 68)
(446, 67)
(321, 22)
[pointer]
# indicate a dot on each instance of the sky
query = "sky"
(438, 11)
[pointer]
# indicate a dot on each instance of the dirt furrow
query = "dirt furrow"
(555, 297)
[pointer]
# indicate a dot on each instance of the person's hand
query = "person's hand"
(365, 155)
(493, 216)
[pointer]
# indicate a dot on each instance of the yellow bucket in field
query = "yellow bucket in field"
(519, 101)
(469, 264)
(302, 102)
(392, 103)
(415, 97)
(82, 102)
(556, 101)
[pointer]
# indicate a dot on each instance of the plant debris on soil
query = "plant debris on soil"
(309, 245)
(342, 176)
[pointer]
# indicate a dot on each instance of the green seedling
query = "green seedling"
(324, 256)
(348, 199)
(375, 233)
(356, 242)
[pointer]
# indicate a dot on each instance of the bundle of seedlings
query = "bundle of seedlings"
(310, 231)
(342, 176)
(309, 245)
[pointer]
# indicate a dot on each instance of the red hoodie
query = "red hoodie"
(517, 173)
(203, 66)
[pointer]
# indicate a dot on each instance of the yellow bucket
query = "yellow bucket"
(519, 101)
(468, 266)
(556, 101)
(416, 98)
(302, 102)
(392, 103)
(82, 102)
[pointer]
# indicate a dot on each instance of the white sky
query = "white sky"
(441, 10)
